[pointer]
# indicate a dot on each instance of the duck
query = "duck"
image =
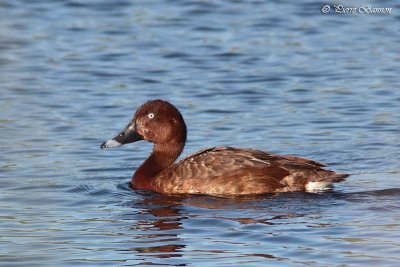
(215, 171)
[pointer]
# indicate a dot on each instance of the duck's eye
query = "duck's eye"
(150, 115)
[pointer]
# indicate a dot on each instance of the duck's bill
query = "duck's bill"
(128, 135)
(110, 143)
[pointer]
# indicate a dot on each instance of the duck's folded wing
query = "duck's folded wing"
(235, 171)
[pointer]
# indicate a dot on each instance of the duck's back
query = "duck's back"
(236, 171)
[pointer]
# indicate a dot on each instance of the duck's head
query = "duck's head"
(156, 121)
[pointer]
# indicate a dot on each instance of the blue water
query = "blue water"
(274, 75)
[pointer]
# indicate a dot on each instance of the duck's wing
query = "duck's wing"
(237, 171)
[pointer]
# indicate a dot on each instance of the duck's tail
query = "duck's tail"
(323, 183)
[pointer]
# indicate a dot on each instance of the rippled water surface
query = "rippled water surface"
(273, 75)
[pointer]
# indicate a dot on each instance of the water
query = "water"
(277, 76)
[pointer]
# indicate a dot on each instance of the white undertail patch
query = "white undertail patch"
(318, 186)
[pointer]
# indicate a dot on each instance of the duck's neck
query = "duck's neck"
(162, 157)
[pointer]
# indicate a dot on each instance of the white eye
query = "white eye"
(150, 115)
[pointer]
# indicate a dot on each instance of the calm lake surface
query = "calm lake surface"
(277, 75)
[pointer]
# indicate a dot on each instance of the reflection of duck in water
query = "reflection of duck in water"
(160, 220)
(222, 171)
(166, 226)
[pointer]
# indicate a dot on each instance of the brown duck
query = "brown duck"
(220, 171)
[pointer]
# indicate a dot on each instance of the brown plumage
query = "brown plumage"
(221, 171)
